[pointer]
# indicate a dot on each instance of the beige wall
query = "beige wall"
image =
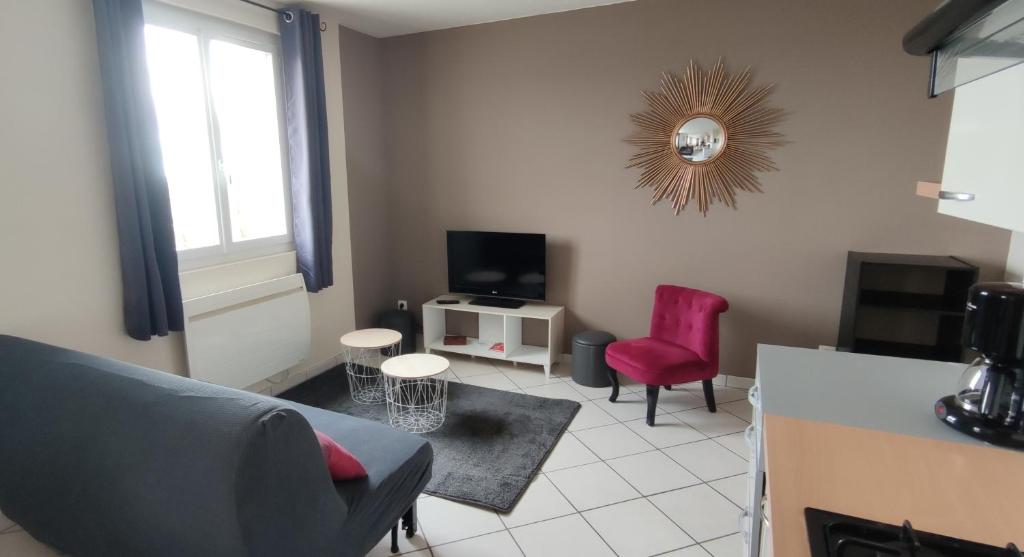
(518, 126)
(332, 311)
(61, 278)
(362, 67)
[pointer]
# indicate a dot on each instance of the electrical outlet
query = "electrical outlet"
(403, 305)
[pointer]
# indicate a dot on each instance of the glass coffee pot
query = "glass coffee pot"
(988, 401)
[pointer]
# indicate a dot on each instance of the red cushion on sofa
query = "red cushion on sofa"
(340, 463)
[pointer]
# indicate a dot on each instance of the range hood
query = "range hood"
(968, 40)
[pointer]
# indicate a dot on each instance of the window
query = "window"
(215, 89)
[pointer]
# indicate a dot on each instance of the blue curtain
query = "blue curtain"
(149, 261)
(305, 110)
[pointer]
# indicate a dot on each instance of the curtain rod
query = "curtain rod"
(287, 15)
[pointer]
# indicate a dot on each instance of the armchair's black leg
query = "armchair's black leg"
(394, 539)
(709, 395)
(614, 376)
(668, 387)
(652, 403)
(409, 521)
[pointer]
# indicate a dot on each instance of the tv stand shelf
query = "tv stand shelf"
(497, 325)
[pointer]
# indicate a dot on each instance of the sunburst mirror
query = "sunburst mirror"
(705, 137)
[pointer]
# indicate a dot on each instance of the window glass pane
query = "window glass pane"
(176, 78)
(245, 104)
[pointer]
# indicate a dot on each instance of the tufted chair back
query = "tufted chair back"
(689, 318)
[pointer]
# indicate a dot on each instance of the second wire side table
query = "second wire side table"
(416, 388)
(366, 350)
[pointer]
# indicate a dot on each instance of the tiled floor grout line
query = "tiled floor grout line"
(473, 537)
(653, 449)
(639, 496)
(667, 411)
(574, 509)
(694, 544)
(680, 526)
(580, 513)
(515, 541)
(653, 504)
(587, 522)
(720, 491)
(715, 539)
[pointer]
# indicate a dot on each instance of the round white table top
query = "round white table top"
(414, 366)
(371, 338)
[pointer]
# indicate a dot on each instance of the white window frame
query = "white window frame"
(208, 28)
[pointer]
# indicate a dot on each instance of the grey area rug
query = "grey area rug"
(491, 445)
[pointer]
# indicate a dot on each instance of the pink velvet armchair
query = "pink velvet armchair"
(682, 346)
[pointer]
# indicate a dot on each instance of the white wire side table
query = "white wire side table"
(366, 350)
(416, 387)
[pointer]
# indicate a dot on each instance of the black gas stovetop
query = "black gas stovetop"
(837, 535)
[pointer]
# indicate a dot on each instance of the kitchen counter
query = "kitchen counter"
(856, 434)
(881, 393)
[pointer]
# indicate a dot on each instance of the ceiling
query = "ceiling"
(387, 18)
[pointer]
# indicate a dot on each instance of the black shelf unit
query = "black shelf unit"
(910, 306)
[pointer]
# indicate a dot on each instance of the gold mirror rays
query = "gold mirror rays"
(705, 137)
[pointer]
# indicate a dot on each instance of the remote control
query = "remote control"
(447, 302)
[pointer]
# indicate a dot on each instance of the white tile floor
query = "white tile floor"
(611, 487)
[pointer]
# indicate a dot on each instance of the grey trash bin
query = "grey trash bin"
(403, 322)
(588, 366)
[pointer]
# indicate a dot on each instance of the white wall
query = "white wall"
(61, 277)
(1015, 258)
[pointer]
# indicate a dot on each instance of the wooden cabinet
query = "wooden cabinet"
(856, 434)
(953, 489)
(985, 151)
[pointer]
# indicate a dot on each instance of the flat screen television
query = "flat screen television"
(497, 265)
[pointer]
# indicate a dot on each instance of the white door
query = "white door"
(985, 152)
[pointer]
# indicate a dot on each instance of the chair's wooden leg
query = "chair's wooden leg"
(709, 395)
(614, 376)
(394, 539)
(652, 403)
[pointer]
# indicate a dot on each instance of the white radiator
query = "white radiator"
(239, 337)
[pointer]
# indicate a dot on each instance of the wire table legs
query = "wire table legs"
(365, 380)
(417, 405)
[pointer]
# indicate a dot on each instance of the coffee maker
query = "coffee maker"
(988, 404)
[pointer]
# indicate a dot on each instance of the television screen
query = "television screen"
(498, 264)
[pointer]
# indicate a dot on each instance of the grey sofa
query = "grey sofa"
(100, 457)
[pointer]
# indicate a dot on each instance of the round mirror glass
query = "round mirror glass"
(700, 139)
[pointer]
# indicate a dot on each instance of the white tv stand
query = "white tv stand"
(497, 325)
